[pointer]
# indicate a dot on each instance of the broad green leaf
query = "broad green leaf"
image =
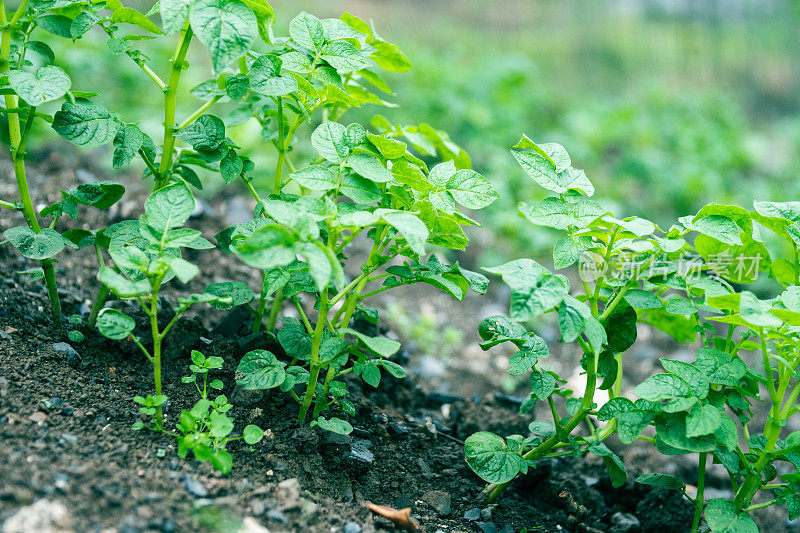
(266, 79)
(389, 148)
(471, 190)
(542, 384)
(222, 461)
(697, 379)
(43, 245)
(252, 434)
(127, 143)
(489, 456)
(630, 425)
(702, 420)
(122, 286)
(661, 387)
(169, 207)
(369, 167)
(227, 28)
(343, 56)
(114, 324)
(238, 292)
(334, 425)
(722, 517)
(559, 214)
(204, 134)
(360, 190)
(174, 14)
(661, 480)
(131, 16)
(640, 299)
(719, 227)
(409, 226)
(547, 293)
(316, 178)
(307, 31)
(46, 84)
(85, 123)
(260, 369)
(380, 345)
(389, 57)
(329, 139)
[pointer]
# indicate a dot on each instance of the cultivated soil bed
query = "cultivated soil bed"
(70, 462)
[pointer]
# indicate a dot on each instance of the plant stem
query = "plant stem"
(97, 305)
(316, 341)
(199, 112)
(170, 96)
(699, 500)
(282, 142)
(159, 418)
(18, 158)
(275, 310)
(262, 303)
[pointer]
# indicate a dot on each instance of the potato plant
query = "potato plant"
(684, 281)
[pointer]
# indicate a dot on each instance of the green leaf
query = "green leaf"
(471, 190)
(334, 425)
(46, 84)
(85, 123)
(620, 327)
(380, 345)
(718, 227)
(614, 465)
(114, 324)
(122, 287)
(227, 28)
(238, 292)
(174, 14)
(260, 369)
(127, 143)
(43, 245)
(702, 420)
(131, 16)
(661, 480)
(662, 387)
(316, 178)
(222, 461)
(265, 77)
(489, 457)
(547, 293)
(307, 31)
(369, 167)
(409, 226)
(206, 133)
(697, 379)
(330, 140)
(640, 299)
(722, 517)
(371, 374)
(389, 57)
(252, 434)
(630, 425)
(389, 148)
(169, 207)
(542, 384)
(343, 56)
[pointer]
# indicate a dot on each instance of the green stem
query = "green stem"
(321, 402)
(699, 500)
(99, 302)
(276, 187)
(18, 158)
(275, 310)
(262, 303)
(159, 418)
(316, 341)
(200, 110)
(9, 205)
(170, 96)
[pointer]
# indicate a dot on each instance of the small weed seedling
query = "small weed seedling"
(206, 428)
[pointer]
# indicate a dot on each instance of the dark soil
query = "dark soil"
(68, 450)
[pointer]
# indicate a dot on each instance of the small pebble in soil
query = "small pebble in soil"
(472, 515)
(351, 527)
(61, 481)
(397, 432)
(3, 387)
(66, 437)
(486, 514)
(69, 354)
(168, 525)
(624, 522)
(329, 437)
(487, 527)
(443, 398)
(277, 516)
(403, 502)
(439, 500)
(67, 411)
(194, 487)
(360, 454)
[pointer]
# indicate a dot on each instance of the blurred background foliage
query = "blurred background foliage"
(667, 104)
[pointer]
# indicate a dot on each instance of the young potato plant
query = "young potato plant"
(28, 81)
(206, 428)
(146, 254)
(633, 272)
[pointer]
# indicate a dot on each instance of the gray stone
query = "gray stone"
(440, 501)
(360, 453)
(472, 515)
(624, 522)
(277, 516)
(194, 487)
(42, 516)
(351, 527)
(72, 357)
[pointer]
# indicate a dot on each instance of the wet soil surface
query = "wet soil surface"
(70, 462)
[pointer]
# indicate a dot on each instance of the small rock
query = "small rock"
(439, 500)
(67, 411)
(69, 354)
(66, 437)
(308, 508)
(624, 522)
(305, 439)
(43, 516)
(360, 454)
(251, 525)
(507, 529)
(487, 527)
(429, 367)
(351, 527)
(472, 515)
(397, 432)
(3, 387)
(486, 514)
(277, 516)
(61, 481)
(442, 398)
(506, 400)
(194, 487)
(348, 495)
(168, 525)
(38, 417)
